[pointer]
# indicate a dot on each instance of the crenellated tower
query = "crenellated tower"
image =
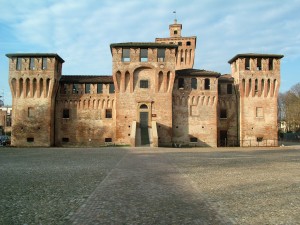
(257, 80)
(33, 79)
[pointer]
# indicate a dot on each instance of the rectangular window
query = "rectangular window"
(99, 88)
(259, 139)
(180, 83)
(87, 88)
(188, 43)
(229, 89)
(108, 139)
(258, 62)
(75, 89)
(66, 113)
(44, 63)
(30, 112)
(270, 64)
(193, 139)
(63, 89)
(247, 64)
(207, 84)
(161, 55)
(144, 55)
(64, 139)
(143, 83)
(31, 64)
(223, 114)
(108, 113)
(30, 139)
(125, 55)
(111, 88)
(19, 64)
(259, 112)
(194, 83)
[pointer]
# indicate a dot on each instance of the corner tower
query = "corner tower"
(186, 46)
(257, 80)
(33, 79)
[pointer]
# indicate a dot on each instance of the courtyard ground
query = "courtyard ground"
(114, 185)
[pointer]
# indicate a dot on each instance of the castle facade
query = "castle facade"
(154, 97)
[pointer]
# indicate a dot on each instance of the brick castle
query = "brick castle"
(154, 97)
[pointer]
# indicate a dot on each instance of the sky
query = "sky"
(81, 31)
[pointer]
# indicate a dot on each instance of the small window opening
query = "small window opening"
(31, 64)
(179, 43)
(270, 64)
(108, 113)
(143, 83)
(99, 88)
(180, 83)
(188, 43)
(125, 55)
(223, 114)
(64, 139)
(256, 85)
(44, 63)
(19, 64)
(207, 84)
(144, 106)
(193, 139)
(258, 66)
(63, 89)
(161, 55)
(229, 89)
(30, 139)
(111, 88)
(87, 88)
(144, 55)
(175, 31)
(75, 89)
(259, 112)
(194, 83)
(182, 59)
(247, 64)
(259, 139)
(108, 139)
(66, 113)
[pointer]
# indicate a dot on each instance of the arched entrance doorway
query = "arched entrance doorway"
(144, 112)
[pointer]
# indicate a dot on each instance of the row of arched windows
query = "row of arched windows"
(259, 87)
(183, 84)
(184, 57)
(31, 88)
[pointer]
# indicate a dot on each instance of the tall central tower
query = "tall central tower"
(186, 46)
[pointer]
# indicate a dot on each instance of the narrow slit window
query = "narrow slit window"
(19, 64)
(207, 84)
(194, 83)
(270, 64)
(247, 64)
(87, 88)
(125, 55)
(75, 89)
(258, 66)
(99, 88)
(144, 55)
(111, 88)
(31, 64)
(223, 114)
(44, 63)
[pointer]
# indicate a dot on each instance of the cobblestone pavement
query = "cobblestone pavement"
(150, 186)
(145, 188)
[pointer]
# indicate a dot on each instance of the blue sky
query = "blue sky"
(81, 31)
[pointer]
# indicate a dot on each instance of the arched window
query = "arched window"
(144, 106)
(180, 83)
(206, 84)
(194, 83)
